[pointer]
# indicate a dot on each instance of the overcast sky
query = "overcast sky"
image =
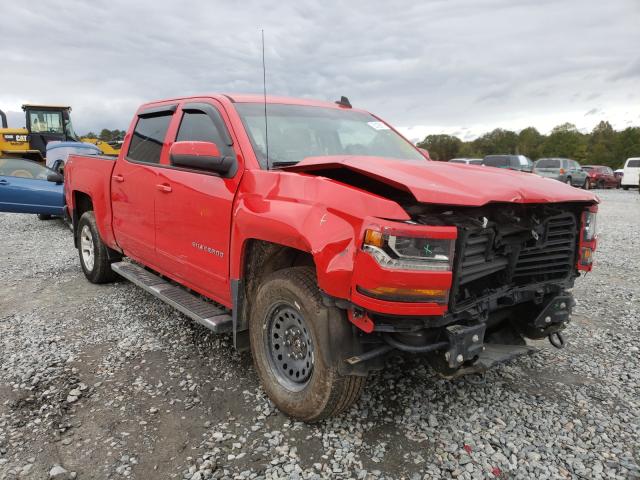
(462, 67)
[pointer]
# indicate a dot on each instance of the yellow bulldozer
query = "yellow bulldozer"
(44, 124)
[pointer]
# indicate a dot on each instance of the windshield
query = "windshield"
(297, 132)
(46, 121)
(18, 167)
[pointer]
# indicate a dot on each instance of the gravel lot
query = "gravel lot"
(106, 382)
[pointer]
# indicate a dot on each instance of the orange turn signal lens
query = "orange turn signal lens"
(407, 294)
(586, 256)
(373, 238)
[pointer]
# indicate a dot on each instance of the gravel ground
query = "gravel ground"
(106, 382)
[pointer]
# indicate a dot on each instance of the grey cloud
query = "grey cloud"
(414, 63)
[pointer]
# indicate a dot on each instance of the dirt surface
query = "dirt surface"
(107, 382)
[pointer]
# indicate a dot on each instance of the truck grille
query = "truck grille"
(554, 258)
(496, 256)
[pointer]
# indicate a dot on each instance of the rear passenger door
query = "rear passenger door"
(194, 208)
(133, 185)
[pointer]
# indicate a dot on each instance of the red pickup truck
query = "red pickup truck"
(323, 240)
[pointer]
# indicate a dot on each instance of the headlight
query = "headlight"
(409, 252)
(588, 226)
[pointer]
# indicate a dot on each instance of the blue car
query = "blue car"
(28, 187)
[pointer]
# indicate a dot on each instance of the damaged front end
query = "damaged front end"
(510, 275)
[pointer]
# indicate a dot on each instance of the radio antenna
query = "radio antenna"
(264, 96)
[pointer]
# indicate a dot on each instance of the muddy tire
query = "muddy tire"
(288, 329)
(94, 258)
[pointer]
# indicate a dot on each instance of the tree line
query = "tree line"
(107, 135)
(602, 146)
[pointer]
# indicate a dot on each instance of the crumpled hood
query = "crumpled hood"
(451, 184)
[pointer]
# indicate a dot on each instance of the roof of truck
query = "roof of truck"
(255, 98)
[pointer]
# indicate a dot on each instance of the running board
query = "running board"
(215, 318)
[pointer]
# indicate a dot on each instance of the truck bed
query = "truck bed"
(91, 174)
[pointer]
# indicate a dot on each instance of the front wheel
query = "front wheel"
(568, 182)
(94, 258)
(289, 331)
(586, 184)
(625, 188)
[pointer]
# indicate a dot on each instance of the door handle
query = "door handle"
(164, 187)
(118, 178)
(4, 182)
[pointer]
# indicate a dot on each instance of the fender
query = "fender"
(309, 213)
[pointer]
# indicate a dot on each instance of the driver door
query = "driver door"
(194, 208)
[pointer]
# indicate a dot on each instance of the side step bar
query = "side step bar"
(215, 318)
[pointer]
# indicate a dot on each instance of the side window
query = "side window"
(148, 138)
(198, 127)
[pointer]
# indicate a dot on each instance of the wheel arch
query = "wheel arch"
(82, 202)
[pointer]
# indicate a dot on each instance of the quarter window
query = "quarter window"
(148, 138)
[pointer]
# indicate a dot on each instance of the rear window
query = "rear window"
(633, 163)
(548, 163)
(148, 138)
(497, 161)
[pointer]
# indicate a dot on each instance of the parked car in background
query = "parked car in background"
(564, 170)
(28, 187)
(601, 177)
(467, 161)
(512, 162)
(619, 173)
(631, 177)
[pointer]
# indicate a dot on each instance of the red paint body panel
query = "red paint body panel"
(91, 175)
(194, 226)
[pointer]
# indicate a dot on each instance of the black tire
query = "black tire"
(568, 182)
(600, 184)
(586, 185)
(98, 271)
(625, 188)
(325, 392)
(44, 216)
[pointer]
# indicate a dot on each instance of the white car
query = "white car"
(631, 176)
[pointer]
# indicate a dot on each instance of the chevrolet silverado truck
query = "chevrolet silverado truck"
(320, 238)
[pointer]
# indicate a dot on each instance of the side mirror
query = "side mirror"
(55, 178)
(200, 156)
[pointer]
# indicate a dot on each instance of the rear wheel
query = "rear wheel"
(288, 329)
(586, 184)
(44, 216)
(625, 188)
(94, 258)
(600, 184)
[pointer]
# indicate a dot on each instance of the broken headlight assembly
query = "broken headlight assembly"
(404, 251)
